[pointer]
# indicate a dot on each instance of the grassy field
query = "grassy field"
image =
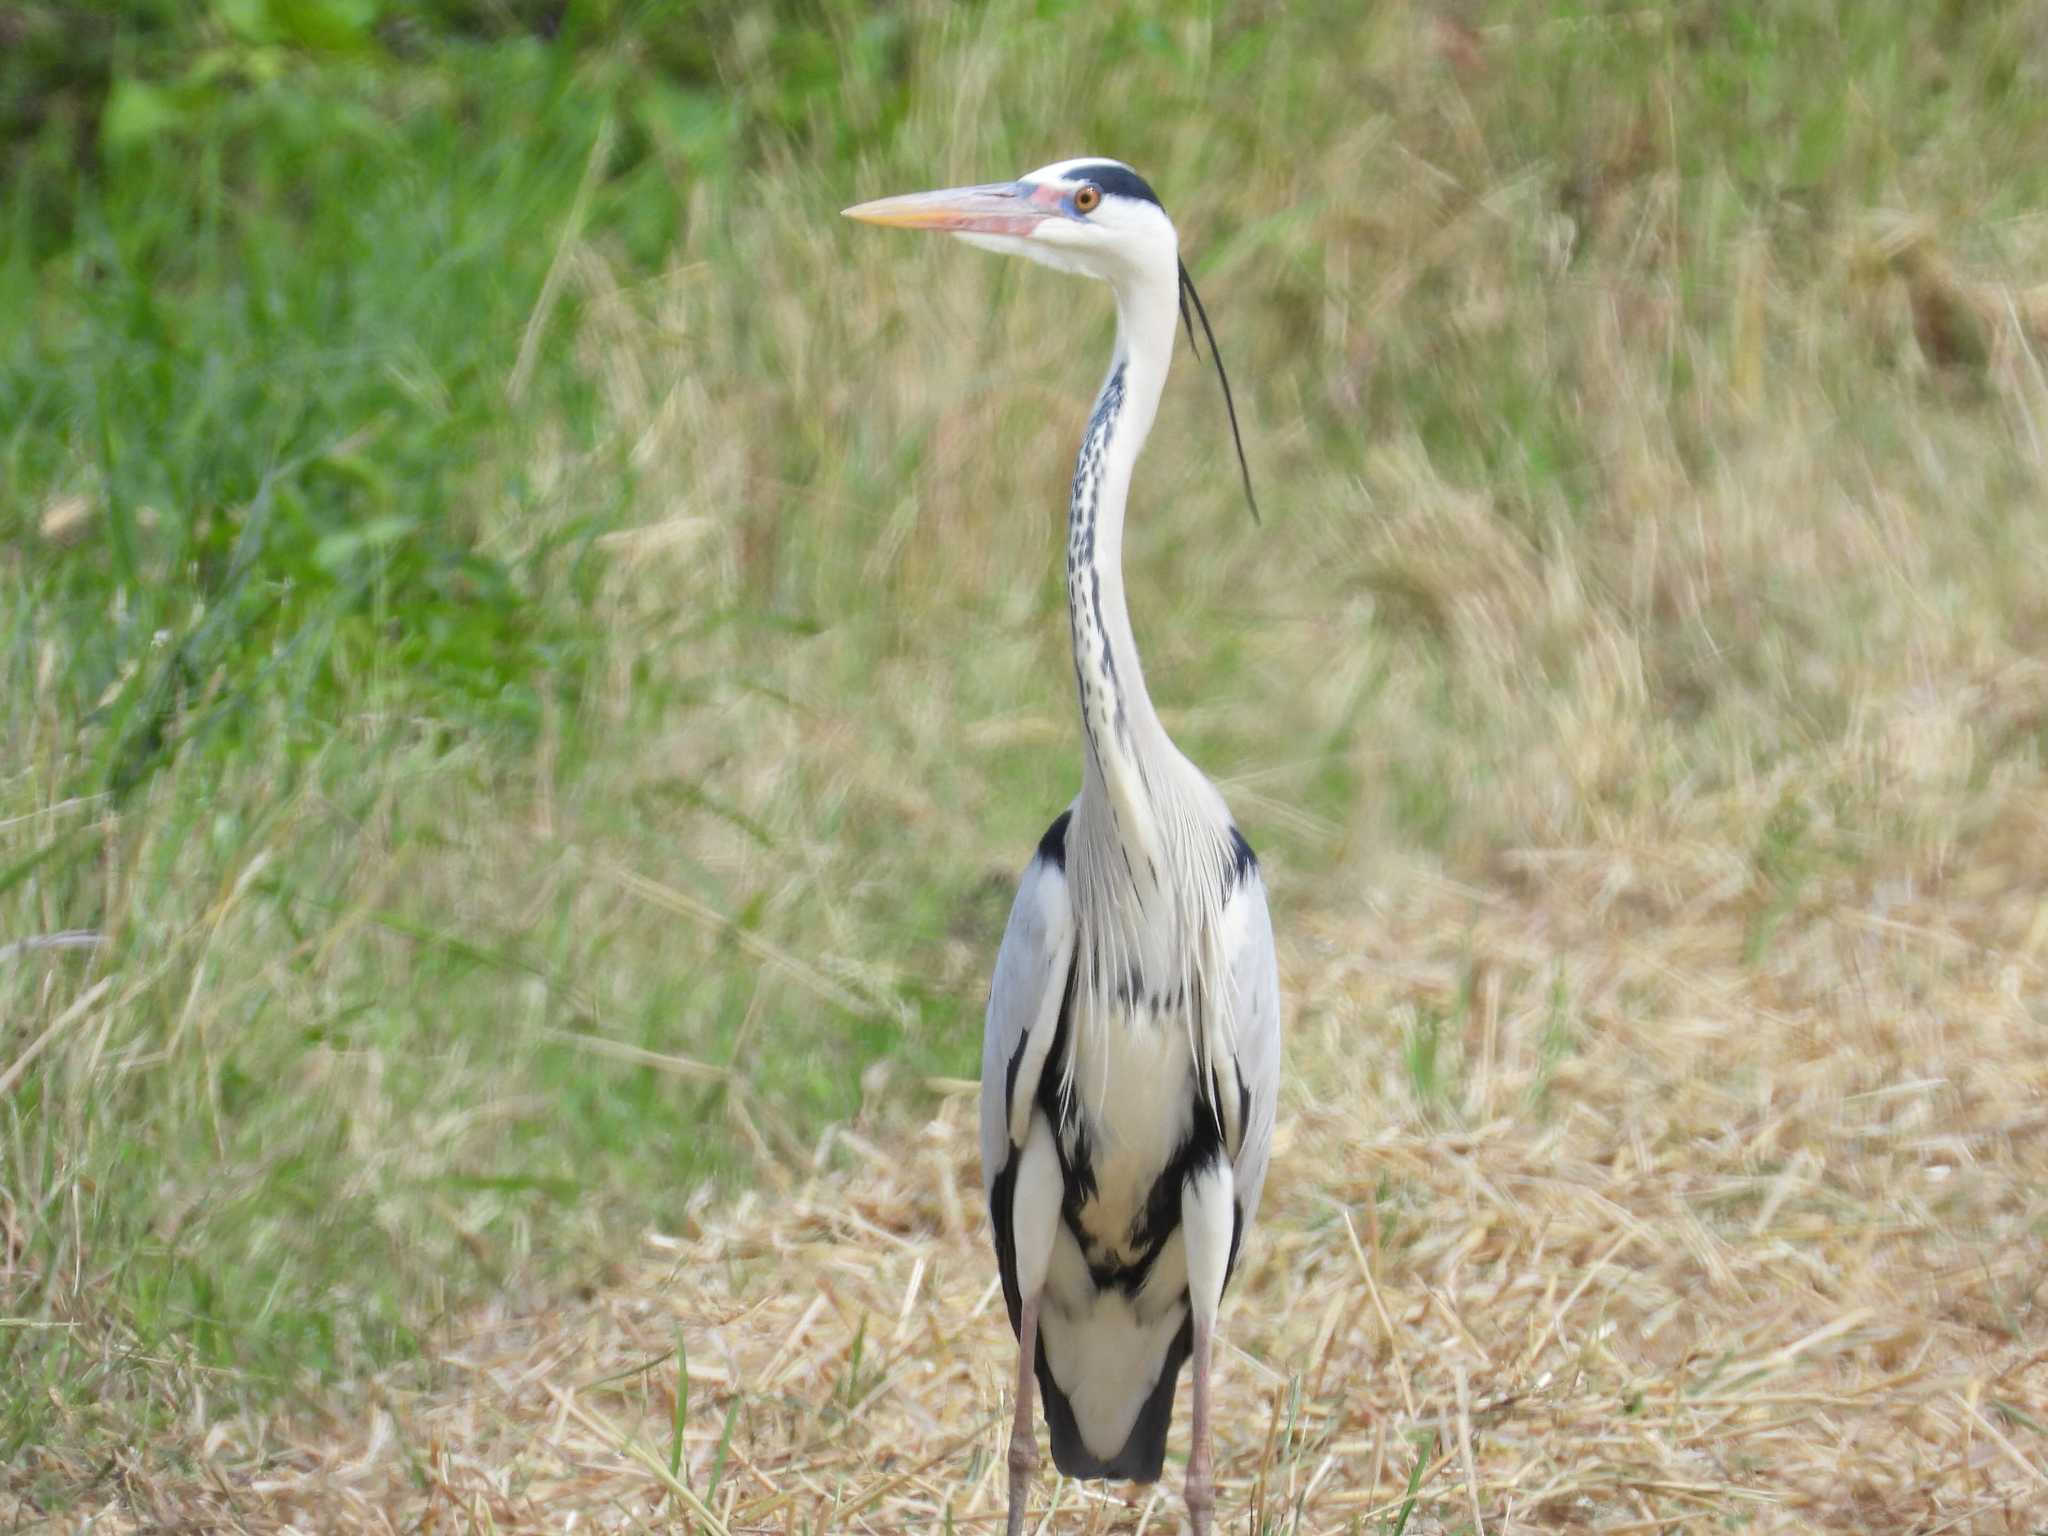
(531, 653)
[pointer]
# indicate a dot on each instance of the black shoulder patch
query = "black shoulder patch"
(1116, 181)
(1243, 862)
(1053, 846)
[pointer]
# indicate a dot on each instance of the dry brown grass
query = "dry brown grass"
(1675, 1242)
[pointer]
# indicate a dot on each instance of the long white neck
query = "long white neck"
(1149, 849)
(1127, 747)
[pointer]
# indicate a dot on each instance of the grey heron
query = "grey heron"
(1131, 1054)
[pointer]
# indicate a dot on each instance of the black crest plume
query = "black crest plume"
(1187, 292)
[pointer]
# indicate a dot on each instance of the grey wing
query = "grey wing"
(1024, 1002)
(1255, 987)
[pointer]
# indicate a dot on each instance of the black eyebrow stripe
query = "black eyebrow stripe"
(1115, 181)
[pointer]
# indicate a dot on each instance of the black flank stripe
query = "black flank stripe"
(1000, 1211)
(1070, 1136)
(1243, 862)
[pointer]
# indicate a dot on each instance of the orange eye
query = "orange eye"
(1088, 198)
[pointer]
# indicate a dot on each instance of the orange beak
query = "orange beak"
(1005, 208)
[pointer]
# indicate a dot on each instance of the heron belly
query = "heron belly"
(1131, 1115)
(1116, 1287)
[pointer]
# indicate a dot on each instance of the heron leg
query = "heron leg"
(1034, 1221)
(1023, 1440)
(1201, 1489)
(1208, 1215)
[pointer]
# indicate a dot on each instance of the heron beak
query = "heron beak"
(1005, 208)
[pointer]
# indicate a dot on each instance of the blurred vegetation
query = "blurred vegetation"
(276, 326)
(538, 654)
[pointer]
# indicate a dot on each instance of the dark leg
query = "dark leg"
(1023, 1435)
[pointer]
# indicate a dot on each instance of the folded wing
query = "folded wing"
(1024, 1002)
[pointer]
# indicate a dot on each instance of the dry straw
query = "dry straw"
(1577, 1222)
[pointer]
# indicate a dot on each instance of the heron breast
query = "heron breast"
(1130, 1123)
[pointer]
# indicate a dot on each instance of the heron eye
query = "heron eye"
(1088, 198)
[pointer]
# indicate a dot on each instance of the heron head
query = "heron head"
(1092, 216)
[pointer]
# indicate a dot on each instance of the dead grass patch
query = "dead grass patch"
(1577, 1221)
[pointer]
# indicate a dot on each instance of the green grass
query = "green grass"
(490, 562)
